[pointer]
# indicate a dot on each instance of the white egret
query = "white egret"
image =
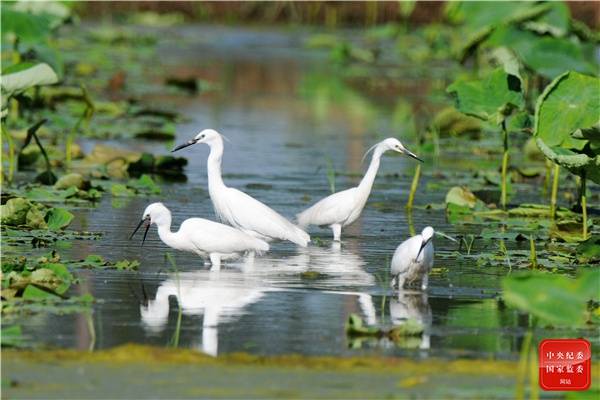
(236, 207)
(200, 236)
(413, 259)
(343, 208)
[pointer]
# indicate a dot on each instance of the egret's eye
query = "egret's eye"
(202, 137)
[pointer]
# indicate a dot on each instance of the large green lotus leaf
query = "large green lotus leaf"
(576, 163)
(569, 103)
(490, 98)
(27, 27)
(548, 56)
(556, 21)
(479, 20)
(475, 15)
(551, 57)
(555, 299)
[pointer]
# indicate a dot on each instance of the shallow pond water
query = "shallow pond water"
(281, 142)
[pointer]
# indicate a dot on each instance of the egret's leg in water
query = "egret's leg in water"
(215, 259)
(425, 282)
(337, 232)
(400, 280)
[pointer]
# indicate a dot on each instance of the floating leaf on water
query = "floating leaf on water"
(14, 212)
(589, 250)
(36, 217)
(461, 196)
(354, 326)
(121, 190)
(71, 180)
(34, 293)
(58, 218)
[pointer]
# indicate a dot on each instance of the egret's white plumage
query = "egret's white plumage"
(201, 236)
(413, 260)
(343, 208)
(236, 207)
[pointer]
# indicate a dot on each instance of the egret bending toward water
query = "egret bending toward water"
(200, 236)
(343, 208)
(413, 259)
(236, 207)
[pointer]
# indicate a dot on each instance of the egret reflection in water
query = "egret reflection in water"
(220, 296)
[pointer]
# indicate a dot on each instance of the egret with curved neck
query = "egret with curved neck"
(236, 207)
(343, 208)
(200, 236)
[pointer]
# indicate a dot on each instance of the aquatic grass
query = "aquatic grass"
(47, 177)
(554, 193)
(522, 370)
(174, 342)
(533, 254)
(84, 119)
(413, 187)
(11, 155)
(91, 329)
(503, 193)
(468, 244)
(583, 203)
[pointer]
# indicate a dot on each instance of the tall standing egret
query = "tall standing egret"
(236, 207)
(413, 259)
(200, 236)
(343, 208)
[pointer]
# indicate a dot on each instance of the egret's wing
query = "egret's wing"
(333, 209)
(210, 236)
(405, 254)
(249, 214)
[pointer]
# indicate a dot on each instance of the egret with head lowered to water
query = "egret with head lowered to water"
(200, 236)
(343, 208)
(413, 259)
(236, 207)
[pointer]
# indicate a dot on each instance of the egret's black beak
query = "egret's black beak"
(423, 244)
(186, 144)
(147, 221)
(411, 154)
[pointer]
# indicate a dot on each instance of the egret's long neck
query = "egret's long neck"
(367, 181)
(164, 231)
(213, 165)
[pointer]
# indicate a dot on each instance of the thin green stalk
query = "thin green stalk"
(84, 120)
(554, 191)
(522, 367)
(504, 165)
(413, 187)
(91, 330)
(411, 225)
(534, 388)
(176, 334)
(547, 178)
(583, 201)
(532, 253)
(11, 154)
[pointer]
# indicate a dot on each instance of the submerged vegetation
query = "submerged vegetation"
(505, 113)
